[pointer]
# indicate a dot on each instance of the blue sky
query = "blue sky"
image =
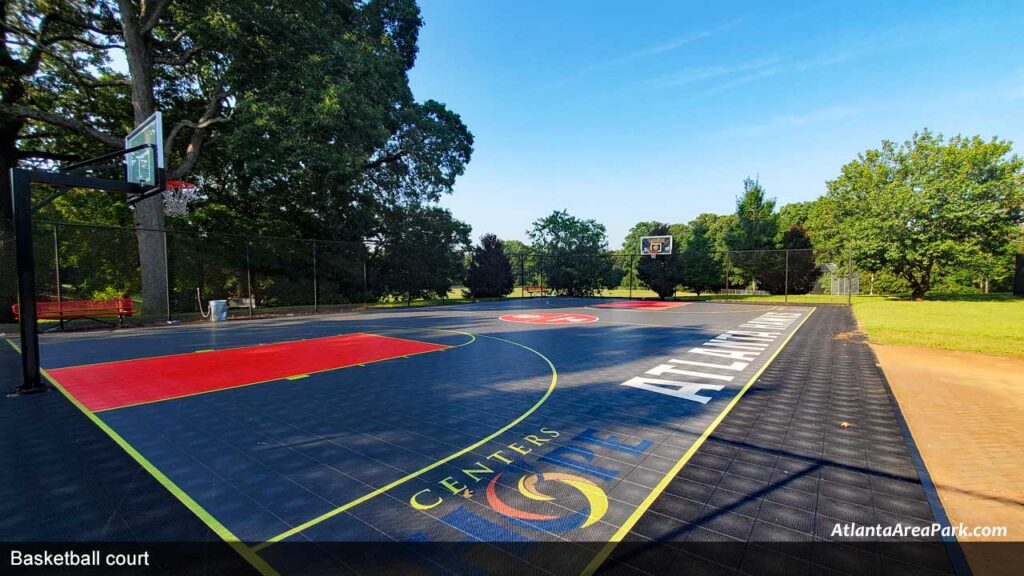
(623, 111)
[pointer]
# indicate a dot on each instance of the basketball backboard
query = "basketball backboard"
(655, 245)
(146, 166)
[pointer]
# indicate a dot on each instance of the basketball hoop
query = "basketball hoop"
(655, 246)
(177, 195)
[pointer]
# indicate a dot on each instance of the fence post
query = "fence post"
(167, 276)
(364, 285)
(849, 278)
(522, 275)
(632, 268)
(56, 267)
(728, 271)
(316, 290)
(785, 298)
(248, 275)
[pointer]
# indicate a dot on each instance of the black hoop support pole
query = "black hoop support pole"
(21, 202)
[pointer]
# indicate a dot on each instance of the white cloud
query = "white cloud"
(698, 73)
(745, 79)
(655, 50)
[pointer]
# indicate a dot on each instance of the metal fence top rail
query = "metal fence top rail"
(204, 234)
(762, 250)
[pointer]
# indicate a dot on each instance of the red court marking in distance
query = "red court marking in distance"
(548, 318)
(128, 382)
(642, 304)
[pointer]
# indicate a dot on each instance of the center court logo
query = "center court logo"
(596, 501)
(522, 493)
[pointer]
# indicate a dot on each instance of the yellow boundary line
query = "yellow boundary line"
(249, 553)
(243, 549)
(623, 530)
(308, 524)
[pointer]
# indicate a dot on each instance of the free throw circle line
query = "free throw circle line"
(396, 483)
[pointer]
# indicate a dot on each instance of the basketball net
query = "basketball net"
(177, 196)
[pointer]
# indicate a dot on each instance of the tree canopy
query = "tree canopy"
(792, 269)
(490, 272)
(796, 213)
(296, 118)
(756, 223)
(702, 267)
(752, 231)
(571, 252)
(927, 203)
(422, 258)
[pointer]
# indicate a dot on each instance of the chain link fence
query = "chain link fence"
(259, 275)
(800, 275)
(256, 275)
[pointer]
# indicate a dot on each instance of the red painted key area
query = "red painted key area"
(129, 382)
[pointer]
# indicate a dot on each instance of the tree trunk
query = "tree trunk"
(8, 160)
(9, 130)
(149, 214)
(920, 286)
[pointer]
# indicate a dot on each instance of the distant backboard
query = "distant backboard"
(656, 245)
(145, 166)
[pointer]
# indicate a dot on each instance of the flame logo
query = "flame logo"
(597, 502)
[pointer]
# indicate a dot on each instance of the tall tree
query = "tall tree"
(334, 135)
(793, 213)
(756, 222)
(702, 267)
(753, 230)
(571, 252)
(661, 273)
(53, 68)
(927, 203)
(524, 267)
(296, 117)
(490, 272)
(422, 257)
(164, 61)
(717, 227)
(793, 269)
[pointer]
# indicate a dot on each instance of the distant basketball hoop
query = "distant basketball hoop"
(177, 196)
(655, 246)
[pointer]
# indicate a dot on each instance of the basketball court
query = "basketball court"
(511, 421)
(580, 422)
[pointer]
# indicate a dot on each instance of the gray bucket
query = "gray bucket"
(218, 310)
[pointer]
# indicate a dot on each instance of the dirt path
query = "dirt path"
(966, 413)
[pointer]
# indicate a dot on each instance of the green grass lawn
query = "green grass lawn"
(989, 324)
